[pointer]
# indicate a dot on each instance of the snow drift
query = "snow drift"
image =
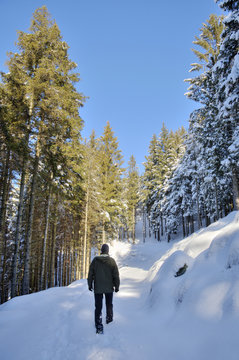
(210, 287)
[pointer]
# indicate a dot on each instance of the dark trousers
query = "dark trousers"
(98, 307)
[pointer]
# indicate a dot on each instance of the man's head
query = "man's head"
(104, 249)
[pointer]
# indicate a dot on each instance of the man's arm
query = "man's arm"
(91, 276)
(116, 278)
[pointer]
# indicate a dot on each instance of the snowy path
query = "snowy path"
(58, 323)
(156, 316)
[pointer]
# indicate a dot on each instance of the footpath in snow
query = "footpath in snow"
(156, 315)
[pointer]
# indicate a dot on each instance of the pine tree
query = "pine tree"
(92, 199)
(42, 116)
(132, 195)
(110, 163)
(150, 171)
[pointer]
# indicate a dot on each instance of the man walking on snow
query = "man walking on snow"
(103, 277)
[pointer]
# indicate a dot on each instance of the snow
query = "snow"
(156, 315)
(235, 67)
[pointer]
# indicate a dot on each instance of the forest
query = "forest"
(62, 196)
(197, 182)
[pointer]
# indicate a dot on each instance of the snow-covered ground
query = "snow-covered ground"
(156, 315)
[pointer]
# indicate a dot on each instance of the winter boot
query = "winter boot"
(109, 319)
(99, 329)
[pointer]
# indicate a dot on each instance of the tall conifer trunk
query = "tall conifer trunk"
(144, 225)
(45, 240)
(4, 201)
(216, 200)
(133, 225)
(198, 206)
(26, 276)
(161, 221)
(17, 234)
(4, 234)
(103, 232)
(85, 233)
(183, 225)
(235, 187)
(88, 257)
(53, 268)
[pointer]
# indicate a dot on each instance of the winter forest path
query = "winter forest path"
(58, 323)
(156, 316)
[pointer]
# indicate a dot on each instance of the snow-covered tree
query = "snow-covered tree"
(132, 187)
(226, 71)
(110, 167)
(165, 152)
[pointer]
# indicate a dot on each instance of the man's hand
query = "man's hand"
(116, 290)
(90, 288)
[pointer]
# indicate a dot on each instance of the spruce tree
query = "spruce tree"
(110, 165)
(132, 195)
(50, 101)
(150, 172)
(203, 128)
(227, 97)
(165, 152)
(91, 188)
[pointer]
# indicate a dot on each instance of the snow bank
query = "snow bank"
(210, 287)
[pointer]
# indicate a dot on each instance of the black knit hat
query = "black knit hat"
(105, 249)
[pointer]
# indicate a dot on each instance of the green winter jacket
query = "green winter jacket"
(103, 275)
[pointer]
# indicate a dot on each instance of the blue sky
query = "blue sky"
(132, 55)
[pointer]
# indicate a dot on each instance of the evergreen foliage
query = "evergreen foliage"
(40, 131)
(164, 154)
(110, 166)
(132, 196)
(203, 183)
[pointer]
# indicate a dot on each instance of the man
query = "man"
(103, 277)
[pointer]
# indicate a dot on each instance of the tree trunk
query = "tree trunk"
(169, 237)
(65, 258)
(4, 261)
(161, 220)
(158, 231)
(4, 202)
(88, 258)
(235, 188)
(78, 264)
(6, 190)
(144, 227)
(187, 225)
(68, 266)
(45, 240)
(103, 233)
(61, 267)
(192, 224)
(26, 276)
(53, 248)
(85, 233)
(17, 234)
(133, 229)
(77, 249)
(183, 225)
(74, 252)
(216, 201)
(80, 257)
(198, 206)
